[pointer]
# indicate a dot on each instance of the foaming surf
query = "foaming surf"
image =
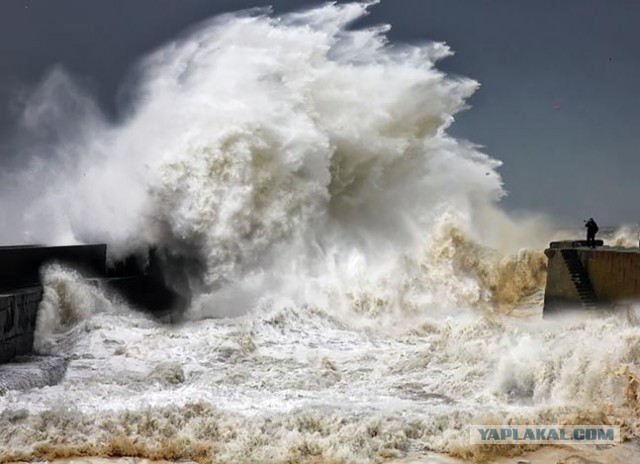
(351, 274)
(288, 383)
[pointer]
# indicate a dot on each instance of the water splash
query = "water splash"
(265, 153)
(352, 252)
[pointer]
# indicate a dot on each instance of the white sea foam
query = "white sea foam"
(291, 383)
(350, 267)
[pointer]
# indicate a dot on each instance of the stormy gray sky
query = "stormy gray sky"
(559, 102)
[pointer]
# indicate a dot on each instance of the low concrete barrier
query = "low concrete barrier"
(18, 313)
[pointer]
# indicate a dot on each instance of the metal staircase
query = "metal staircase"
(580, 278)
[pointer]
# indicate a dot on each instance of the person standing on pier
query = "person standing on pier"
(592, 230)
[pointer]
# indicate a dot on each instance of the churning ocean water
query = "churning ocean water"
(357, 293)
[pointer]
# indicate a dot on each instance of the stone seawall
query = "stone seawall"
(580, 277)
(18, 312)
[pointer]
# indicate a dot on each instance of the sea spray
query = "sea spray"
(67, 301)
(263, 154)
(346, 257)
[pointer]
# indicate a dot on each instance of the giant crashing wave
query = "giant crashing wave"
(287, 157)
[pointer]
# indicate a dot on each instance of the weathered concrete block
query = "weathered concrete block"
(8, 318)
(7, 350)
(22, 318)
(24, 343)
(26, 306)
(18, 314)
(613, 273)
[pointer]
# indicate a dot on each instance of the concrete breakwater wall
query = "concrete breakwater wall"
(581, 277)
(20, 290)
(18, 312)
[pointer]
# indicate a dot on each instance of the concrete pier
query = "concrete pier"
(20, 291)
(581, 277)
(18, 312)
